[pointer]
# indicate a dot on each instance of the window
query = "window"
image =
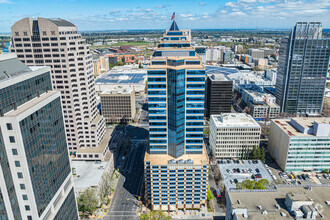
(25, 197)
(12, 139)
(20, 175)
(14, 151)
(9, 126)
(27, 208)
(17, 164)
(22, 186)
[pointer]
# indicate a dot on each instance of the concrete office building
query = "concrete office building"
(256, 53)
(176, 164)
(238, 49)
(300, 144)
(118, 105)
(282, 203)
(302, 70)
(35, 172)
(56, 43)
(260, 105)
(228, 57)
(218, 94)
(231, 133)
(271, 75)
(213, 55)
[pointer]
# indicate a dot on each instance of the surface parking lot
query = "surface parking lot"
(230, 176)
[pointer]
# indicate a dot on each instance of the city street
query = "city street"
(125, 204)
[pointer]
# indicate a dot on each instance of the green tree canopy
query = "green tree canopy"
(88, 201)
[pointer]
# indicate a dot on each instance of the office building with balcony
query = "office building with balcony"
(35, 172)
(218, 94)
(176, 164)
(300, 144)
(233, 133)
(302, 70)
(56, 43)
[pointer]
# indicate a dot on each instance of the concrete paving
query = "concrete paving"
(229, 177)
(88, 173)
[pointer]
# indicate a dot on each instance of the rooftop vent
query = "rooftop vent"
(264, 212)
(283, 214)
(277, 206)
(245, 215)
(238, 201)
(259, 207)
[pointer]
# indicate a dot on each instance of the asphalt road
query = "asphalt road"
(124, 204)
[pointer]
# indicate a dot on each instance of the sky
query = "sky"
(155, 14)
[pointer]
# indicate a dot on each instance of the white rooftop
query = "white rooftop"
(234, 120)
(118, 90)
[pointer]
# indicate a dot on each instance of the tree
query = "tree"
(105, 187)
(262, 155)
(258, 185)
(88, 201)
(123, 59)
(254, 154)
(264, 182)
(140, 65)
(209, 195)
(133, 58)
(155, 215)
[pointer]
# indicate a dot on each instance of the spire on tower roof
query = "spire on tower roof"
(174, 26)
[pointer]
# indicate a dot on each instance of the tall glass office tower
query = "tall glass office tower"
(176, 164)
(35, 172)
(302, 70)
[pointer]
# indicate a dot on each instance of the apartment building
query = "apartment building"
(231, 133)
(118, 105)
(35, 172)
(176, 163)
(300, 144)
(56, 43)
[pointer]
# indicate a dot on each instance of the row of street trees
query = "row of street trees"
(257, 153)
(92, 198)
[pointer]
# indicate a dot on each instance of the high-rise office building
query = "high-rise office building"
(176, 166)
(56, 43)
(218, 95)
(35, 173)
(302, 69)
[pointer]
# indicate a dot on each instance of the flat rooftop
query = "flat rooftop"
(89, 172)
(218, 77)
(118, 91)
(24, 107)
(122, 78)
(303, 123)
(162, 159)
(268, 200)
(234, 120)
(99, 149)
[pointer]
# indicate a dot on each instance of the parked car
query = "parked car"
(228, 171)
(258, 175)
(299, 177)
(218, 193)
(257, 170)
(235, 181)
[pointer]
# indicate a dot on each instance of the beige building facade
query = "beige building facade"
(56, 43)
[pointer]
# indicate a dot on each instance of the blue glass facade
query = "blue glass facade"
(176, 87)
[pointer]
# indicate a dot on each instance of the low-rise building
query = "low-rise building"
(231, 133)
(228, 56)
(300, 144)
(118, 104)
(256, 53)
(280, 203)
